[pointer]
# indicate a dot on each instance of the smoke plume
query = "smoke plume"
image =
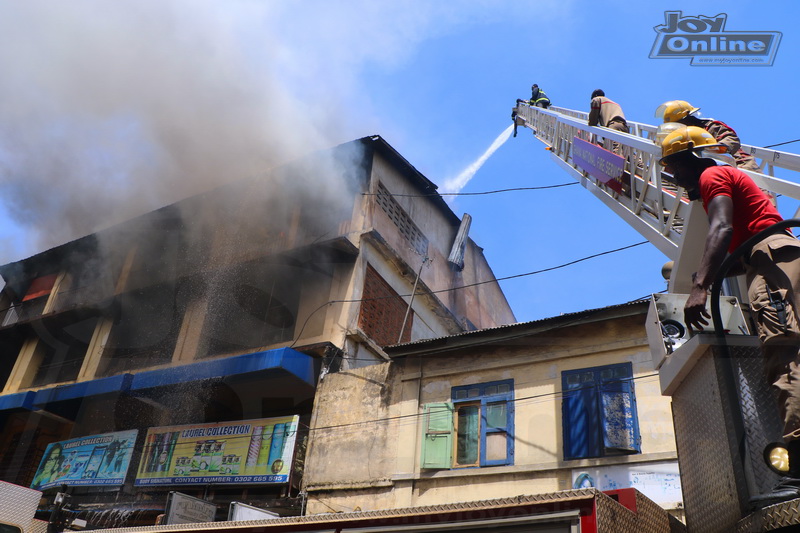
(112, 109)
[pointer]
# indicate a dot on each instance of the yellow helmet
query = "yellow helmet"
(665, 129)
(674, 110)
(689, 138)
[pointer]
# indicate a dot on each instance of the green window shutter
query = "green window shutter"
(437, 441)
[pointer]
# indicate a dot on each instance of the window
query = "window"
(62, 350)
(251, 307)
(382, 315)
(41, 286)
(475, 429)
(145, 330)
(599, 412)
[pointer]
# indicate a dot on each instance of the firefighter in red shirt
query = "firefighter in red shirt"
(737, 209)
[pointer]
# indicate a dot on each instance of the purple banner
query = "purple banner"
(607, 167)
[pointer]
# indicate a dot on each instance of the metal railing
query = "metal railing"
(656, 209)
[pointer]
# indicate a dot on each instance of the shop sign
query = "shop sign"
(93, 460)
(185, 509)
(246, 452)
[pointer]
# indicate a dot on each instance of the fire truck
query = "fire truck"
(725, 416)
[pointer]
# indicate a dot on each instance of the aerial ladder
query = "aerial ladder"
(715, 381)
(657, 210)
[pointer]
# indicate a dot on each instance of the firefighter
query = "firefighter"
(607, 113)
(538, 97)
(737, 209)
(683, 112)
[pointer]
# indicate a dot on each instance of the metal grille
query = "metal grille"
(760, 415)
(720, 468)
(401, 219)
(701, 432)
(771, 518)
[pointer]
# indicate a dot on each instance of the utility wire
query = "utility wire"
(546, 395)
(411, 418)
(780, 144)
(473, 193)
(450, 289)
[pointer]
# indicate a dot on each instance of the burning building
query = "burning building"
(183, 348)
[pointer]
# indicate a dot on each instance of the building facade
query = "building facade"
(534, 408)
(182, 349)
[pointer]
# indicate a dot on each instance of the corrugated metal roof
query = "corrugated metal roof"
(433, 513)
(554, 321)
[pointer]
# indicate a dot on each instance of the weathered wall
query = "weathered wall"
(385, 451)
(484, 305)
(352, 440)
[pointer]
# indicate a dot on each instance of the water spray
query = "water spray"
(459, 182)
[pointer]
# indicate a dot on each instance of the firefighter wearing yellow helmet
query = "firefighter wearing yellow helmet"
(737, 209)
(685, 113)
(680, 138)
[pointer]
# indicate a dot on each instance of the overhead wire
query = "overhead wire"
(780, 144)
(450, 289)
(428, 195)
(409, 418)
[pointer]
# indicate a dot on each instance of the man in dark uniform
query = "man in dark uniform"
(538, 97)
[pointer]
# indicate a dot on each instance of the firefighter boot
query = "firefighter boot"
(788, 487)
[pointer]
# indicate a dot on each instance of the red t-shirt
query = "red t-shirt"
(752, 209)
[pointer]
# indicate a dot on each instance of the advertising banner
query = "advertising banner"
(93, 460)
(250, 451)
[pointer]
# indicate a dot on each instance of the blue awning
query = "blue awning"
(73, 391)
(279, 362)
(18, 400)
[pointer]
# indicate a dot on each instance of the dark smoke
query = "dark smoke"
(112, 109)
(109, 109)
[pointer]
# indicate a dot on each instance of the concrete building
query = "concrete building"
(183, 348)
(533, 408)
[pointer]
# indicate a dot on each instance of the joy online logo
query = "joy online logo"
(705, 40)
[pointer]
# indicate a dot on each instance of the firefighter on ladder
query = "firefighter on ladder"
(737, 209)
(685, 113)
(538, 99)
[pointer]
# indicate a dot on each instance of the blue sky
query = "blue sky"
(110, 108)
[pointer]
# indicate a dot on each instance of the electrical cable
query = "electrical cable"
(780, 144)
(494, 280)
(474, 193)
(415, 416)
(543, 396)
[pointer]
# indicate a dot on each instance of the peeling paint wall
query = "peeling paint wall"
(367, 451)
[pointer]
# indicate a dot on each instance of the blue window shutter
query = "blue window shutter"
(580, 418)
(437, 441)
(620, 424)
